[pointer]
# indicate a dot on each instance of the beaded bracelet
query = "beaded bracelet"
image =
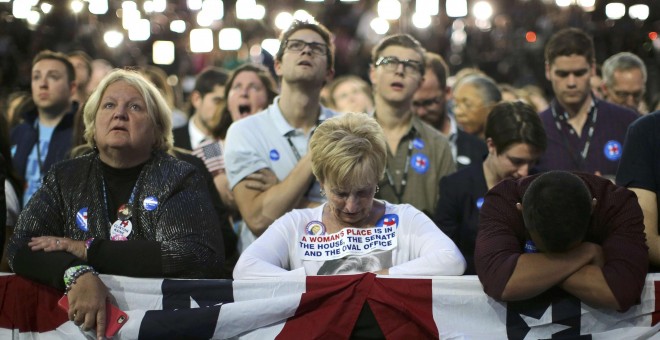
(73, 273)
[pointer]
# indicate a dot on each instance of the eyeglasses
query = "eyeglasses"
(625, 94)
(391, 64)
(296, 45)
(465, 105)
(427, 102)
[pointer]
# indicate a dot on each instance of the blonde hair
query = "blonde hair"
(348, 151)
(157, 108)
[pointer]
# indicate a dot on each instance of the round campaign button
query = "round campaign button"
(418, 143)
(150, 203)
(315, 228)
(464, 160)
(480, 202)
(81, 219)
(274, 155)
(124, 212)
(120, 230)
(612, 150)
(420, 163)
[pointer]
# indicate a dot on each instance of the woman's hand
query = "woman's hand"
(87, 299)
(53, 243)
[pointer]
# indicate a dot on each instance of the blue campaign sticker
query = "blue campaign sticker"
(388, 220)
(418, 143)
(530, 247)
(81, 219)
(612, 150)
(315, 228)
(274, 155)
(420, 163)
(150, 203)
(480, 202)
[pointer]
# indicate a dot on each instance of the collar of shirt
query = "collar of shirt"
(196, 135)
(283, 127)
(563, 115)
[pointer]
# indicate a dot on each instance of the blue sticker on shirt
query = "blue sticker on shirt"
(274, 155)
(150, 203)
(420, 163)
(388, 220)
(81, 219)
(418, 143)
(612, 150)
(530, 247)
(480, 202)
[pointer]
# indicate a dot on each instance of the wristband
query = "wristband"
(88, 243)
(73, 273)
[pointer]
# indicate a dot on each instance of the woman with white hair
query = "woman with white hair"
(128, 208)
(349, 154)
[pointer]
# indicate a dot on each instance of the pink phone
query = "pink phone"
(115, 317)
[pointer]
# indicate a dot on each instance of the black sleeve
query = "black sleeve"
(119, 258)
(636, 168)
(447, 211)
(43, 267)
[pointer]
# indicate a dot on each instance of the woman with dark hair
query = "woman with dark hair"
(249, 89)
(516, 139)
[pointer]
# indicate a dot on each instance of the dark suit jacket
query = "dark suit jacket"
(182, 137)
(469, 147)
(457, 212)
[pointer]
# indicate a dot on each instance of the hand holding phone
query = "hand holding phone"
(115, 317)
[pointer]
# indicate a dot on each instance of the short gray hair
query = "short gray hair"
(623, 61)
(490, 93)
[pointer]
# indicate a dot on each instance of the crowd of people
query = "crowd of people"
(415, 172)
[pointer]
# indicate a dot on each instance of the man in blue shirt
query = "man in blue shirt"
(44, 138)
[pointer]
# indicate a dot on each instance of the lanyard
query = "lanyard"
(293, 147)
(288, 135)
(38, 146)
(105, 198)
(581, 157)
(404, 178)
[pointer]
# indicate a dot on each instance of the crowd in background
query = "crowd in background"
(440, 142)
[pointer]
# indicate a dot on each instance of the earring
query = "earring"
(377, 188)
(322, 192)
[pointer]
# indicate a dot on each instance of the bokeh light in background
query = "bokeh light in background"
(505, 38)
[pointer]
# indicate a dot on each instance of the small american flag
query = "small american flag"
(211, 153)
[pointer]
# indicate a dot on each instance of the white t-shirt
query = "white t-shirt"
(405, 240)
(266, 140)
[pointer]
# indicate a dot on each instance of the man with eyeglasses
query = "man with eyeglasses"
(584, 133)
(430, 104)
(273, 142)
(624, 81)
(418, 155)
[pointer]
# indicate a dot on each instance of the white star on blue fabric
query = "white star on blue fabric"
(542, 328)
